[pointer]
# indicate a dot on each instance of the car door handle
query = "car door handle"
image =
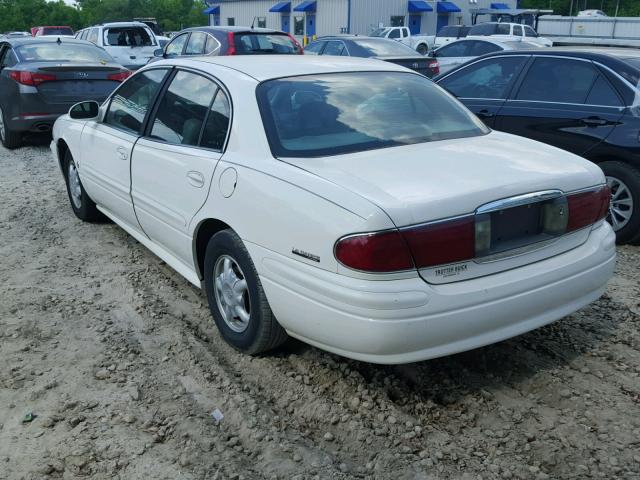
(123, 154)
(196, 179)
(594, 121)
(484, 113)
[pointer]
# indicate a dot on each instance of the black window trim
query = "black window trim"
(109, 100)
(151, 114)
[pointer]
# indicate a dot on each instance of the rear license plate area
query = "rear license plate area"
(516, 227)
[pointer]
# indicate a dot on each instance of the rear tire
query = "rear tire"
(624, 216)
(83, 207)
(236, 298)
(10, 138)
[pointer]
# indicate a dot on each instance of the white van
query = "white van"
(131, 44)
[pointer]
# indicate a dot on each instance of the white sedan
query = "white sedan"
(349, 203)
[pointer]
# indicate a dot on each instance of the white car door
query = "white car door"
(107, 144)
(173, 164)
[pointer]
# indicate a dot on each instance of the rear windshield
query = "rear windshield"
(383, 47)
(64, 52)
(128, 37)
(483, 29)
(453, 31)
(57, 31)
(332, 114)
(264, 43)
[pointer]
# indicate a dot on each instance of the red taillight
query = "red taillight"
(121, 76)
(298, 46)
(31, 79)
(586, 208)
(434, 66)
(231, 39)
(375, 252)
(442, 242)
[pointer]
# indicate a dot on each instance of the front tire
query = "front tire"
(422, 49)
(624, 213)
(83, 207)
(9, 138)
(236, 298)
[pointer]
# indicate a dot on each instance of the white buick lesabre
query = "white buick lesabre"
(349, 203)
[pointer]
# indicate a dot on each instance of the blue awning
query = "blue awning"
(448, 7)
(281, 7)
(500, 6)
(212, 10)
(308, 6)
(418, 6)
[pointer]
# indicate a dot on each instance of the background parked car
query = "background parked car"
(40, 78)
(450, 33)
(583, 101)
(509, 31)
(379, 48)
(131, 44)
(230, 41)
(15, 35)
(460, 51)
(58, 31)
(420, 43)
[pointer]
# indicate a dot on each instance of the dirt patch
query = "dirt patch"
(116, 357)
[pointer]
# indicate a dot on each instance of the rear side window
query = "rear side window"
(529, 32)
(196, 44)
(503, 29)
(490, 78)
(558, 80)
(260, 43)
(183, 109)
(394, 33)
(517, 30)
(128, 37)
(130, 103)
(483, 29)
(63, 52)
(334, 48)
(602, 93)
(211, 46)
(333, 114)
(177, 44)
(482, 48)
(217, 124)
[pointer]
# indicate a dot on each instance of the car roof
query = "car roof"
(121, 24)
(234, 29)
(18, 41)
(266, 67)
(591, 53)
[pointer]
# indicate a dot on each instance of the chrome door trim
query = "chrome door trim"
(518, 200)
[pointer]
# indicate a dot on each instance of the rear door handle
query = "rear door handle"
(196, 179)
(484, 113)
(123, 154)
(594, 121)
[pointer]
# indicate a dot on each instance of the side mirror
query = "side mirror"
(84, 110)
(158, 53)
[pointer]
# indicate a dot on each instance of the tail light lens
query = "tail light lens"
(459, 239)
(298, 46)
(231, 39)
(121, 76)
(586, 208)
(31, 79)
(434, 66)
(375, 252)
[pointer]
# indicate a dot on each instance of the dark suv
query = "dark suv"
(583, 101)
(230, 41)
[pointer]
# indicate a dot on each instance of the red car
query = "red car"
(61, 31)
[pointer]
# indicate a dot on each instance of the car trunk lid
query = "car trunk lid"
(425, 65)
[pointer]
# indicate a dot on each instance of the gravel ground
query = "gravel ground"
(115, 357)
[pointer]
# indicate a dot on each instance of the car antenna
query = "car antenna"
(252, 23)
(58, 41)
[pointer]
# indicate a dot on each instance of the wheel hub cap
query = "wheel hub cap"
(621, 207)
(74, 186)
(232, 294)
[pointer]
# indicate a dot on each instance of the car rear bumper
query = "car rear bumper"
(408, 320)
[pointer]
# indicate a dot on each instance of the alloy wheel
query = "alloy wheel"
(232, 293)
(2, 133)
(74, 185)
(621, 207)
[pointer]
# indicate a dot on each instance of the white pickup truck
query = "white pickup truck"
(509, 32)
(421, 43)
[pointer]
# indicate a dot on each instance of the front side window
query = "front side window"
(183, 109)
(482, 48)
(517, 30)
(503, 29)
(397, 21)
(177, 45)
(333, 114)
(130, 103)
(128, 37)
(196, 44)
(394, 34)
(490, 78)
(264, 43)
(334, 48)
(558, 80)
